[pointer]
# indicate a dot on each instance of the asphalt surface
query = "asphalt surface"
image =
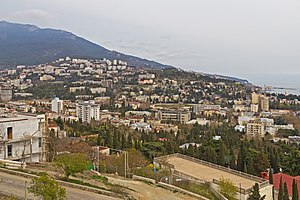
(15, 185)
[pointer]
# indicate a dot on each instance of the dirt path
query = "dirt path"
(144, 191)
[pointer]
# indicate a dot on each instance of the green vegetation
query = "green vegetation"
(295, 190)
(71, 163)
(46, 188)
(201, 189)
(255, 193)
(227, 188)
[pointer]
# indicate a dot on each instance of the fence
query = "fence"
(214, 189)
(13, 164)
(163, 160)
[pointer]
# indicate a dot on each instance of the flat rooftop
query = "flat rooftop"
(18, 117)
(208, 173)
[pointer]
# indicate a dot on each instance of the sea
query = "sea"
(284, 83)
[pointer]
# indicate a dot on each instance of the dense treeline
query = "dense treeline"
(233, 150)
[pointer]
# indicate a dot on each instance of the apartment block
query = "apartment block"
(57, 105)
(181, 116)
(255, 128)
(88, 110)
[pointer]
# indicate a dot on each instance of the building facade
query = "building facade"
(255, 128)
(87, 110)
(57, 105)
(181, 116)
(22, 137)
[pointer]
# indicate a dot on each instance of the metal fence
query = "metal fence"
(163, 160)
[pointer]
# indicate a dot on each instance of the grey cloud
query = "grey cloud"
(32, 16)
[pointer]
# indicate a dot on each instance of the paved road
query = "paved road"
(15, 185)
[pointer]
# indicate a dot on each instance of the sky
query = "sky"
(258, 40)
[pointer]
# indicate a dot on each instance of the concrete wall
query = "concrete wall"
(25, 138)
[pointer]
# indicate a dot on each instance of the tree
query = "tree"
(129, 141)
(222, 154)
(255, 193)
(227, 188)
(71, 163)
(136, 158)
(46, 188)
(271, 176)
(280, 192)
(285, 192)
(295, 190)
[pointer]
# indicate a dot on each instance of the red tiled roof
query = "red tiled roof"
(289, 181)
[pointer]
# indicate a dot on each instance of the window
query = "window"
(9, 133)
(9, 150)
(40, 142)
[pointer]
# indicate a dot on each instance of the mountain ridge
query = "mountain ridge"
(28, 44)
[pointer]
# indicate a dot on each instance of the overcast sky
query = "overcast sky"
(232, 37)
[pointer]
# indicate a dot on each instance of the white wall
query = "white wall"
(21, 126)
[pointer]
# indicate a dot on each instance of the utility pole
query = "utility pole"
(25, 190)
(125, 163)
(97, 159)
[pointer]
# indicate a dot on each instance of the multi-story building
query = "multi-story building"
(181, 116)
(255, 98)
(199, 108)
(21, 137)
(88, 110)
(57, 105)
(255, 128)
(261, 101)
(5, 93)
(264, 103)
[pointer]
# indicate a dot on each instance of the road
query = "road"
(15, 185)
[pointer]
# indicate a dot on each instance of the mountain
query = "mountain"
(28, 45)
(216, 76)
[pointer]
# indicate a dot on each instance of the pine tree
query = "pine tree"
(295, 191)
(285, 192)
(255, 193)
(280, 192)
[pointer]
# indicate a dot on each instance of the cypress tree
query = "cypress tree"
(255, 193)
(115, 140)
(129, 141)
(232, 159)
(295, 191)
(271, 176)
(109, 141)
(99, 139)
(280, 192)
(222, 153)
(124, 142)
(285, 192)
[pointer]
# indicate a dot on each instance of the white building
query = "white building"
(21, 137)
(88, 110)
(57, 105)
